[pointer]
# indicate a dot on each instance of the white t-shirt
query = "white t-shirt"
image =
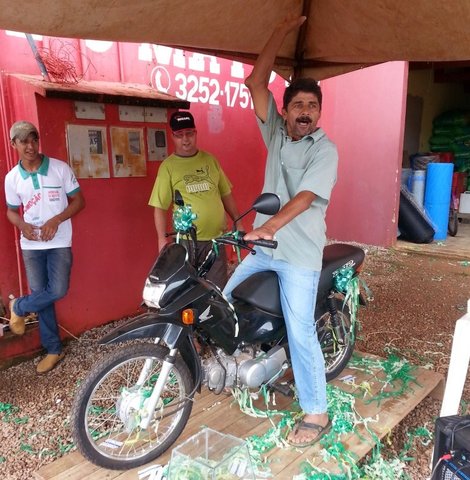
(43, 194)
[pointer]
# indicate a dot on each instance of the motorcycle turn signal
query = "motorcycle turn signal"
(187, 316)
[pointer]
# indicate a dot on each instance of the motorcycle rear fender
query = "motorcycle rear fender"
(167, 328)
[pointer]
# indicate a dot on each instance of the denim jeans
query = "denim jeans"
(48, 273)
(298, 296)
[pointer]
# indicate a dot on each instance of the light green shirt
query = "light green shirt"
(201, 182)
(308, 164)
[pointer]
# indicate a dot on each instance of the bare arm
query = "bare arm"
(289, 211)
(230, 207)
(160, 216)
(258, 81)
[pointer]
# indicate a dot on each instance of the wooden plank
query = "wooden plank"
(61, 465)
(77, 472)
(221, 413)
(293, 457)
(389, 412)
(103, 474)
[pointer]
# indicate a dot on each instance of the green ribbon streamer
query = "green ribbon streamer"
(236, 235)
(9, 411)
(345, 419)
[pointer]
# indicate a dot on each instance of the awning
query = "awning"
(339, 35)
(104, 92)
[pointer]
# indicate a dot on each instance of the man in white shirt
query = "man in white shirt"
(49, 195)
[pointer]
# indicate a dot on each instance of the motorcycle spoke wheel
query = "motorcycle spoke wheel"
(336, 352)
(110, 404)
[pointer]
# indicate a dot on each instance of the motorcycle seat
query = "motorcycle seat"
(335, 256)
(262, 289)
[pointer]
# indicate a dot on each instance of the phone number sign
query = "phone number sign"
(202, 89)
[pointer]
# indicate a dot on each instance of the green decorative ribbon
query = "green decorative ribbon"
(345, 419)
(183, 218)
(237, 236)
(8, 411)
(345, 282)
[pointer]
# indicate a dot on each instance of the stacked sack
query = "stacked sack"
(451, 133)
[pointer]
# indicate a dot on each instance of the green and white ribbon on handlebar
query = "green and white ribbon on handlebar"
(236, 236)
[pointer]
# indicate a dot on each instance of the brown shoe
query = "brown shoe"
(17, 323)
(49, 362)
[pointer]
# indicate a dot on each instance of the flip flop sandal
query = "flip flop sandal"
(303, 425)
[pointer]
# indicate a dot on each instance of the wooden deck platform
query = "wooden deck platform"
(220, 413)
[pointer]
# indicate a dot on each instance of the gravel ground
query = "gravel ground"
(417, 300)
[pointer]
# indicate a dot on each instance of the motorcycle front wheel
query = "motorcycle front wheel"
(336, 350)
(110, 403)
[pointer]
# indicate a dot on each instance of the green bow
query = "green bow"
(183, 218)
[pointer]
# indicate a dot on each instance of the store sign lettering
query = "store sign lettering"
(201, 82)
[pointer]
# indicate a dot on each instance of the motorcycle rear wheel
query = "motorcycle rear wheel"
(453, 226)
(107, 408)
(335, 352)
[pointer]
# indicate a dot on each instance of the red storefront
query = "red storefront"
(128, 91)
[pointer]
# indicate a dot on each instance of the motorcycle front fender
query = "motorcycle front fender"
(149, 325)
(165, 327)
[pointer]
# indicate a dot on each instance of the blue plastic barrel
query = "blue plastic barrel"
(437, 196)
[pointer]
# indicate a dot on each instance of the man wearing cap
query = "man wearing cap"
(47, 192)
(202, 183)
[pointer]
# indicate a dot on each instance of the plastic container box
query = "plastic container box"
(211, 455)
(464, 205)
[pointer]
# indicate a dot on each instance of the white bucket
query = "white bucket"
(464, 205)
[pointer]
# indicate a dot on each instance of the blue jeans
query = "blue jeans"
(298, 296)
(48, 273)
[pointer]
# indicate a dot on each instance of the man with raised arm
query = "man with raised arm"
(301, 168)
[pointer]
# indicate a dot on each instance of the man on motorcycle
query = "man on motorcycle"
(301, 168)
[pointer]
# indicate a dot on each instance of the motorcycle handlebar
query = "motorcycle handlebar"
(264, 243)
(244, 243)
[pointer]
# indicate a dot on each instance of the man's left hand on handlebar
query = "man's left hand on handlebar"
(260, 233)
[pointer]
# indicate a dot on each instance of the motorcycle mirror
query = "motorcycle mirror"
(267, 204)
(179, 199)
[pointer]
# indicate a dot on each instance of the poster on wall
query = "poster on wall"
(128, 152)
(88, 151)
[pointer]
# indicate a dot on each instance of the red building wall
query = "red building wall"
(114, 237)
(364, 114)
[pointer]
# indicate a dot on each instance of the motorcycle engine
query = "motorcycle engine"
(243, 368)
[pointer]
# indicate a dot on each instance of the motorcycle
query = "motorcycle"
(135, 403)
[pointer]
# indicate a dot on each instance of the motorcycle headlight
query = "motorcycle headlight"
(153, 293)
